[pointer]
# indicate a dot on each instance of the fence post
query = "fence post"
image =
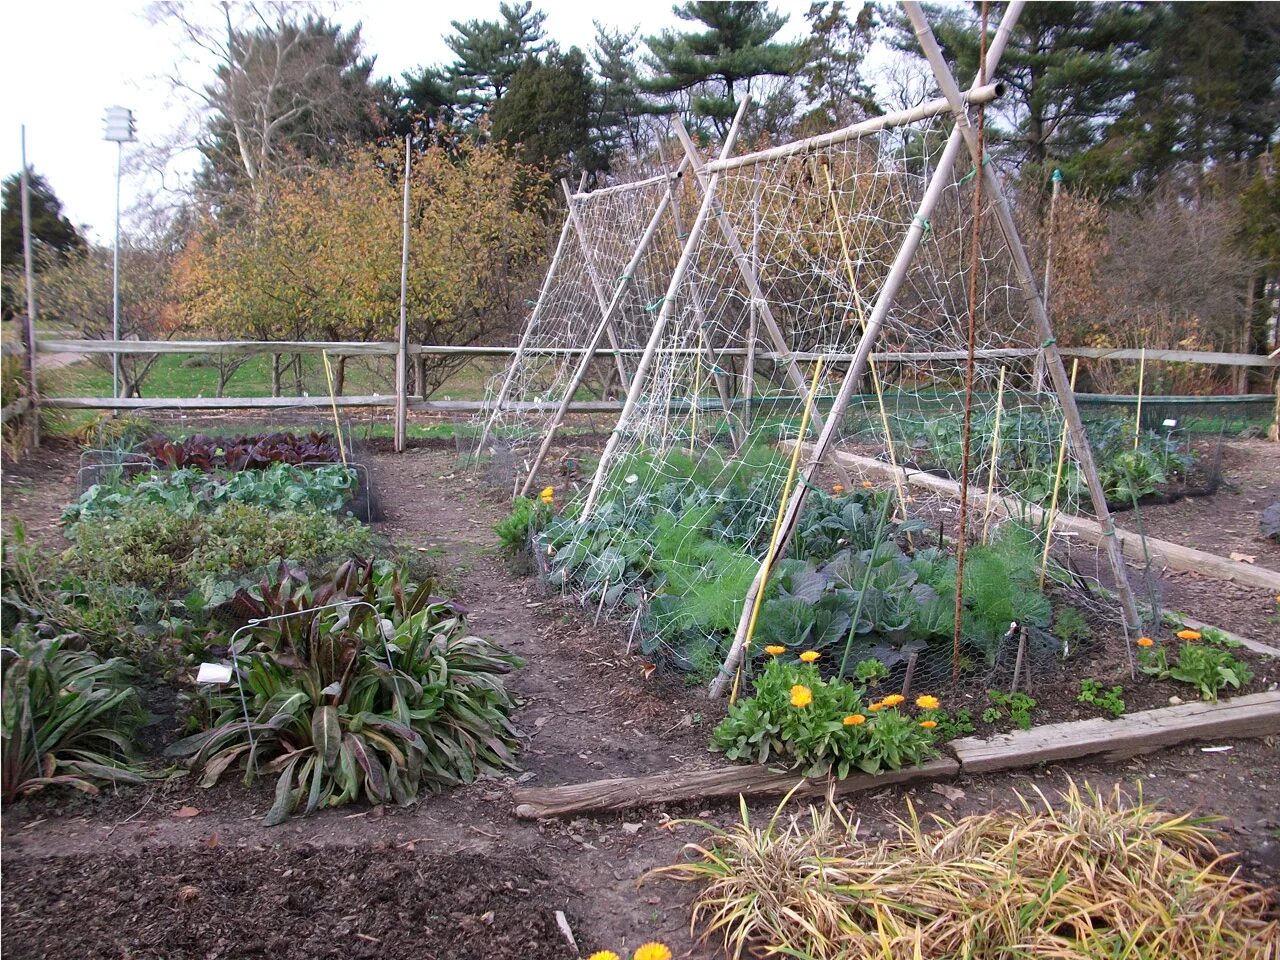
(33, 395)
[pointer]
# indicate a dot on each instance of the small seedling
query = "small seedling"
(1109, 701)
(1018, 706)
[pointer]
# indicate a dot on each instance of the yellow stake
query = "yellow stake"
(766, 566)
(862, 322)
(995, 454)
(333, 404)
(697, 391)
(1137, 417)
(1057, 482)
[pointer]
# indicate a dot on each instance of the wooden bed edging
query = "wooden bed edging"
(1174, 554)
(1256, 715)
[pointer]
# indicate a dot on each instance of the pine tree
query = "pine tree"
(51, 232)
(619, 105)
(490, 52)
(545, 114)
(712, 66)
(837, 92)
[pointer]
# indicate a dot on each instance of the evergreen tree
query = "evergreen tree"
(736, 48)
(836, 91)
(50, 230)
(619, 105)
(545, 114)
(489, 53)
(1069, 69)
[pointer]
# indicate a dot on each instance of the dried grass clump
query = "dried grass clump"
(1089, 877)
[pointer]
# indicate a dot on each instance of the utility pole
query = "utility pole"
(120, 130)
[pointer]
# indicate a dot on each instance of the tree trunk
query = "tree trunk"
(340, 376)
(420, 376)
(275, 374)
(297, 374)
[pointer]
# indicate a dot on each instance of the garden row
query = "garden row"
(349, 678)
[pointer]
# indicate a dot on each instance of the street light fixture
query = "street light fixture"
(119, 130)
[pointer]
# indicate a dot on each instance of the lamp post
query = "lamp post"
(119, 130)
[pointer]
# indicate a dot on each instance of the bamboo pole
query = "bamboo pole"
(995, 455)
(1137, 410)
(624, 281)
(938, 183)
(771, 555)
(402, 342)
(752, 281)
(1048, 272)
(749, 367)
(1026, 280)
(593, 276)
(30, 280)
(664, 315)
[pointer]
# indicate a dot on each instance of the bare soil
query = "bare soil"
(456, 875)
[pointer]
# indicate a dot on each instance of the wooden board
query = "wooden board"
(1257, 647)
(1257, 715)
(1135, 546)
(678, 785)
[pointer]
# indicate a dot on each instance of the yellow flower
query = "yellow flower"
(801, 696)
(809, 656)
(1188, 634)
(854, 719)
(893, 699)
(927, 702)
(928, 724)
(873, 707)
(774, 650)
(1145, 642)
(838, 489)
(548, 495)
(604, 955)
(652, 951)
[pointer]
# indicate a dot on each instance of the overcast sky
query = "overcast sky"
(65, 62)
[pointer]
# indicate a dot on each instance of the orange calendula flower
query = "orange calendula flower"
(652, 951)
(801, 696)
(810, 655)
(1145, 642)
(928, 724)
(866, 484)
(874, 707)
(548, 494)
(1189, 635)
(854, 719)
(893, 699)
(927, 702)
(774, 650)
(838, 489)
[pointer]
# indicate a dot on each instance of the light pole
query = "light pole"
(120, 130)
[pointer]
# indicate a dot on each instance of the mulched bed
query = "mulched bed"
(298, 902)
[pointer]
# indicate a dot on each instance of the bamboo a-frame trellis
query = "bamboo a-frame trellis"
(708, 179)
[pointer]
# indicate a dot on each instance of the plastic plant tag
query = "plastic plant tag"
(1171, 424)
(214, 673)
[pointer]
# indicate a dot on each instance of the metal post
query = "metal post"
(115, 283)
(30, 327)
(402, 342)
(1048, 272)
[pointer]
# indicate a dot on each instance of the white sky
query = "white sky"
(66, 61)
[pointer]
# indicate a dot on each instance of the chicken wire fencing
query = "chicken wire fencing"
(778, 284)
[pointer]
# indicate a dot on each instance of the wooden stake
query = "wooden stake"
(333, 404)
(1137, 414)
(29, 277)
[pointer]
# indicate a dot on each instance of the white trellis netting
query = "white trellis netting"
(618, 243)
(791, 254)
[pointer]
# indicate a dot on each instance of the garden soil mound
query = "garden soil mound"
(287, 903)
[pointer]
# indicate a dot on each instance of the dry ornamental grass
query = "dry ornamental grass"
(1088, 878)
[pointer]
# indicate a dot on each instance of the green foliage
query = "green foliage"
(870, 671)
(351, 702)
(1107, 700)
(159, 547)
(69, 719)
(1017, 706)
(189, 491)
(49, 228)
(953, 725)
(1070, 626)
(527, 518)
(1209, 668)
(818, 737)
(545, 115)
